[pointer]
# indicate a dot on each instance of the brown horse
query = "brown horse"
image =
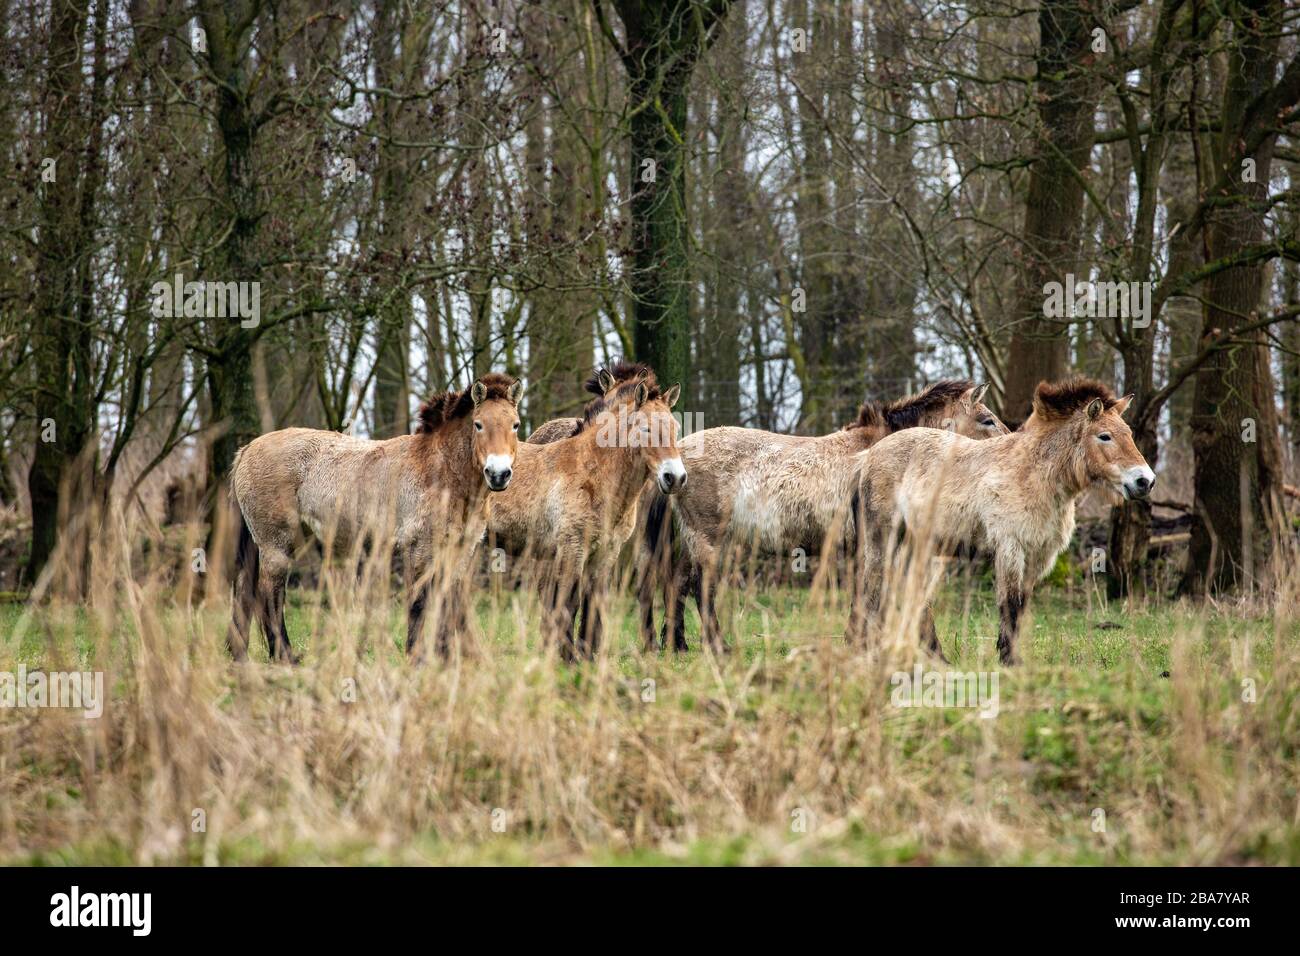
(573, 500)
(424, 494)
(773, 493)
(1013, 496)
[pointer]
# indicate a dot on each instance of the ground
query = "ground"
(1140, 733)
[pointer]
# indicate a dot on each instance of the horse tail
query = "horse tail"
(855, 515)
(248, 557)
(655, 545)
(248, 568)
(658, 531)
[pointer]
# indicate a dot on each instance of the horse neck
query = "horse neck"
(853, 440)
(626, 477)
(935, 417)
(449, 452)
(1057, 481)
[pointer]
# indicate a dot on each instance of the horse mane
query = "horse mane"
(447, 407)
(627, 375)
(870, 415)
(911, 411)
(1056, 401)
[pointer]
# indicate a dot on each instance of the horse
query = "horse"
(1013, 495)
(555, 430)
(774, 493)
(574, 499)
(426, 493)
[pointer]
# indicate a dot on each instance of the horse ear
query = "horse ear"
(516, 392)
(979, 394)
(642, 393)
(605, 380)
(671, 396)
(1122, 405)
(478, 392)
(1095, 408)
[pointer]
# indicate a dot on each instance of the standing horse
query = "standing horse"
(773, 493)
(573, 500)
(1013, 495)
(426, 494)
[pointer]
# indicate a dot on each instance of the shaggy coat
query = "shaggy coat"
(555, 430)
(573, 501)
(774, 493)
(1013, 496)
(424, 494)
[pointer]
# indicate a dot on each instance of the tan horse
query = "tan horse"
(426, 494)
(555, 430)
(573, 501)
(1013, 496)
(773, 493)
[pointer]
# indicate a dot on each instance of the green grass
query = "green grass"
(1104, 713)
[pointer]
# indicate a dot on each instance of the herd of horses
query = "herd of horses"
(937, 468)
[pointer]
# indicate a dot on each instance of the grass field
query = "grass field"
(1126, 736)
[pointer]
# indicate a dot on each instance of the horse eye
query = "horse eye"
(987, 423)
(1104, 436)
(478, 426)
(514, 427)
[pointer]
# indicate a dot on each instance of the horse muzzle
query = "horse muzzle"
(671, 476)
(1137, 482)
(498, 471)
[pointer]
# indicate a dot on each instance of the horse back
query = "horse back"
(779, 491)
(335, 484)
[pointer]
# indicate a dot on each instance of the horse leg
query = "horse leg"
(930, 634)
(277, 615)
(243, 593)
(675, 609)
(452, 624)
(555, 594)
(567, 598)
(681, 582)
(242, 609)
(1011, 605)
(417, 599)
(645, 596)
(593, 617)
(707, 568)
(274, 573)
(867, 577)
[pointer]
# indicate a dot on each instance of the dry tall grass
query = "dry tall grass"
(787, 750)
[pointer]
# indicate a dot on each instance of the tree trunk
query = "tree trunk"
(895, 286)
(230, 366)
(1067, 88)
(663, 43)
(1234, 423)
(64, 416)
(720, 339)
(393, 316)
